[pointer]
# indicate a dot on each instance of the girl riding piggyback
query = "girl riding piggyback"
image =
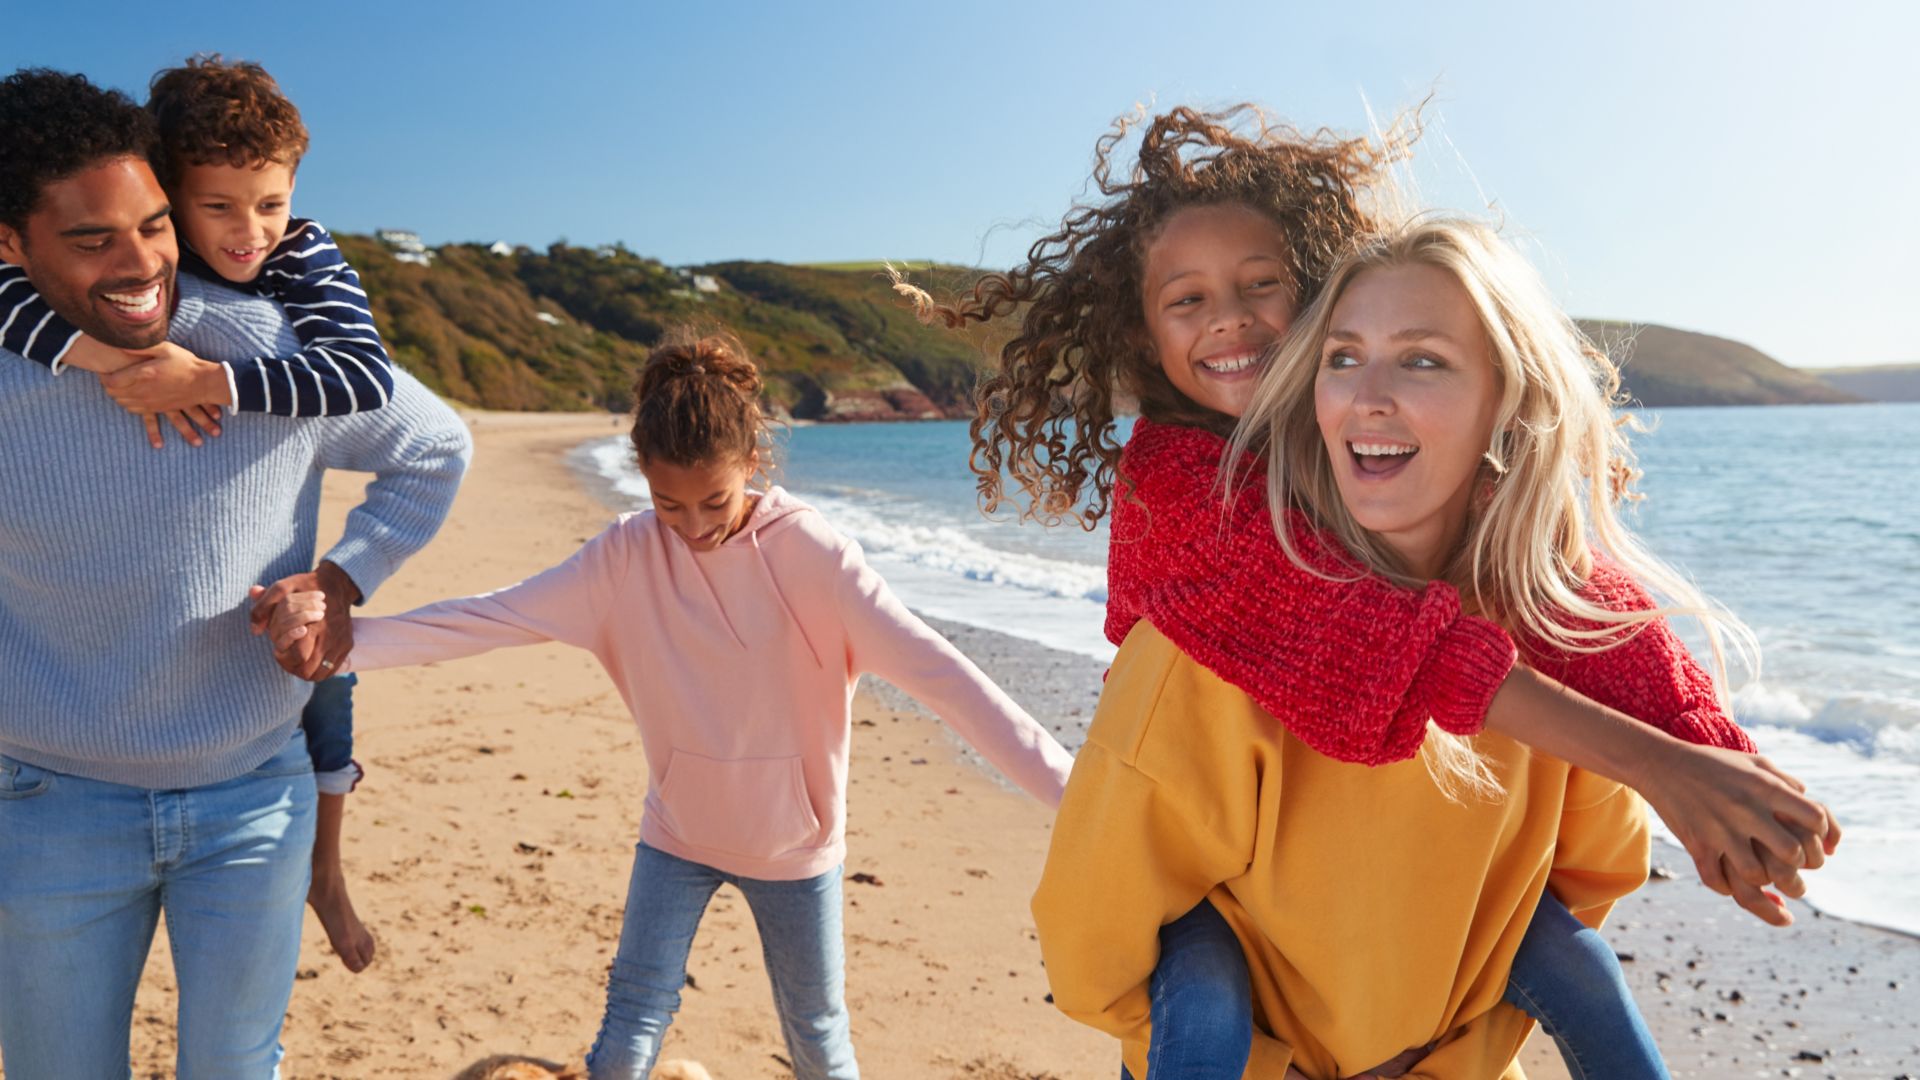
(735, 622)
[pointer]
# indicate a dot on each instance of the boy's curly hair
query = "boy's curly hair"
(215, 112)
(54, 125)
(1045, 415)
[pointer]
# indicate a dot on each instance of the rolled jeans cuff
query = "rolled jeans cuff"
(339, 781)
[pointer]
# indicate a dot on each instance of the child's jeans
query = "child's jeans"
(328, 722)
(1565, 976)
(800, 938)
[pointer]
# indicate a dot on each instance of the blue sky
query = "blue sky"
(1743, 169)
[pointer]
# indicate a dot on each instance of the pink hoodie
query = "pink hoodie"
(739, 666)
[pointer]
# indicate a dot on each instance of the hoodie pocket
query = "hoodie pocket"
(756, 808)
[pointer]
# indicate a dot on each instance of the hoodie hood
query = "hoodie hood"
(774, 512)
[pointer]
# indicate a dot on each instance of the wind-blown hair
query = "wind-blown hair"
(1555, 470)
(1044, 416)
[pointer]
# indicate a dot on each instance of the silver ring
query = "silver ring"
(328, 664)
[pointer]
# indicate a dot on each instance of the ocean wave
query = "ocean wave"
(1874, 725)
(948, 549)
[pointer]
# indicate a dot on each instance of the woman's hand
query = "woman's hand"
(1746, 823)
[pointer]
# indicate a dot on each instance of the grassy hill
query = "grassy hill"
(1662, 366)
(567, 329)
(1887, 382)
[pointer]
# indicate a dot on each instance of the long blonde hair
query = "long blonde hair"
(1556, 468)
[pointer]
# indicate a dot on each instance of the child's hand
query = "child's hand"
(183, 422)
(288, 620)
(89, 355)
(167, 378)
(1745, 823)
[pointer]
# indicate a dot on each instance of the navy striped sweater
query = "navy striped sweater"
(341, 367)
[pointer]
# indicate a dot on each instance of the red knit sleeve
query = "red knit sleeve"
(1353, 668)
(1650, 676)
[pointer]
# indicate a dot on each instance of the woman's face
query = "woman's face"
(1216, 291)
(1406, 397)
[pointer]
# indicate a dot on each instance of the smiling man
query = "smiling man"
(151, 759)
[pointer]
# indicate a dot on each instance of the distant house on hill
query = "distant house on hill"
(547, 317)
(706, 283)
(501, 248)
(405, 245)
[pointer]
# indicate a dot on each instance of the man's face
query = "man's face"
(100, 250)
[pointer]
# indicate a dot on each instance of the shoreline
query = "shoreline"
(1060, 689)
(490, 846)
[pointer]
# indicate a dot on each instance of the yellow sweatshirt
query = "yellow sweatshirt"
(1376, 914)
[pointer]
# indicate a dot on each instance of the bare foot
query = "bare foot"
(327, 896)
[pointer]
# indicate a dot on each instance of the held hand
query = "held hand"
(288, 620)
(1745, 823)
(167, 378)
(317, 654)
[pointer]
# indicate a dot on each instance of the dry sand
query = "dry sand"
(490, 845)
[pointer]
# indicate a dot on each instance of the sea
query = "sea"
(1803, 520)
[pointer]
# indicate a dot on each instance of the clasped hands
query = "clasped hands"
(306, 616)
(165, 381)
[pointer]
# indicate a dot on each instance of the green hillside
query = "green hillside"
(567, 329)
(1662, 366)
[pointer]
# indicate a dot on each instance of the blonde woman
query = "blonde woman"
(1438, 414)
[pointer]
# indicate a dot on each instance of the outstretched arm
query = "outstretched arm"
(896, 645)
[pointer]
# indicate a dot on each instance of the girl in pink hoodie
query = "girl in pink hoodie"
(735, 623)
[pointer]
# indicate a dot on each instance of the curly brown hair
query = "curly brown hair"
(697, 400)
(215, 112)
(1045, 415)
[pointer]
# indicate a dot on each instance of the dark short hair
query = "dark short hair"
(54, 125)
(213, 111)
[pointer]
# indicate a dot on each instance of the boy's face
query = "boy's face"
(100, 251)
(234, 216)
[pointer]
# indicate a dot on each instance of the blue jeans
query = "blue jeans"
(88, 868)
(800, 938)
(1202, 1007)
(328, 722)
(1567, 977)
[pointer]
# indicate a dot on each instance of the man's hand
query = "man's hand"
(167, 378)
(1746, 824)
(317, 654)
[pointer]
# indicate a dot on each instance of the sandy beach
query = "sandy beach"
(490, 845)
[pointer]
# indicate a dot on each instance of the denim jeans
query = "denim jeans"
(88, 868)
(1567, 977)
(1202, 1005)
(328, 722)
(800, 938)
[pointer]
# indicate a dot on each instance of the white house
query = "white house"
(706, 283)
(501, 248)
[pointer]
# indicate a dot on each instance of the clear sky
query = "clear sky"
(1747, 169)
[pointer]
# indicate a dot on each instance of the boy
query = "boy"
(230, 143)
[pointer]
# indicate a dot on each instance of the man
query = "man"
(150, 755)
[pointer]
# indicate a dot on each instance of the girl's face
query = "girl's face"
(1406, 397)
(706, 502)
(1216, 291)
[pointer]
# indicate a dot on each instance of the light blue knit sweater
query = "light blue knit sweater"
(124, 649)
